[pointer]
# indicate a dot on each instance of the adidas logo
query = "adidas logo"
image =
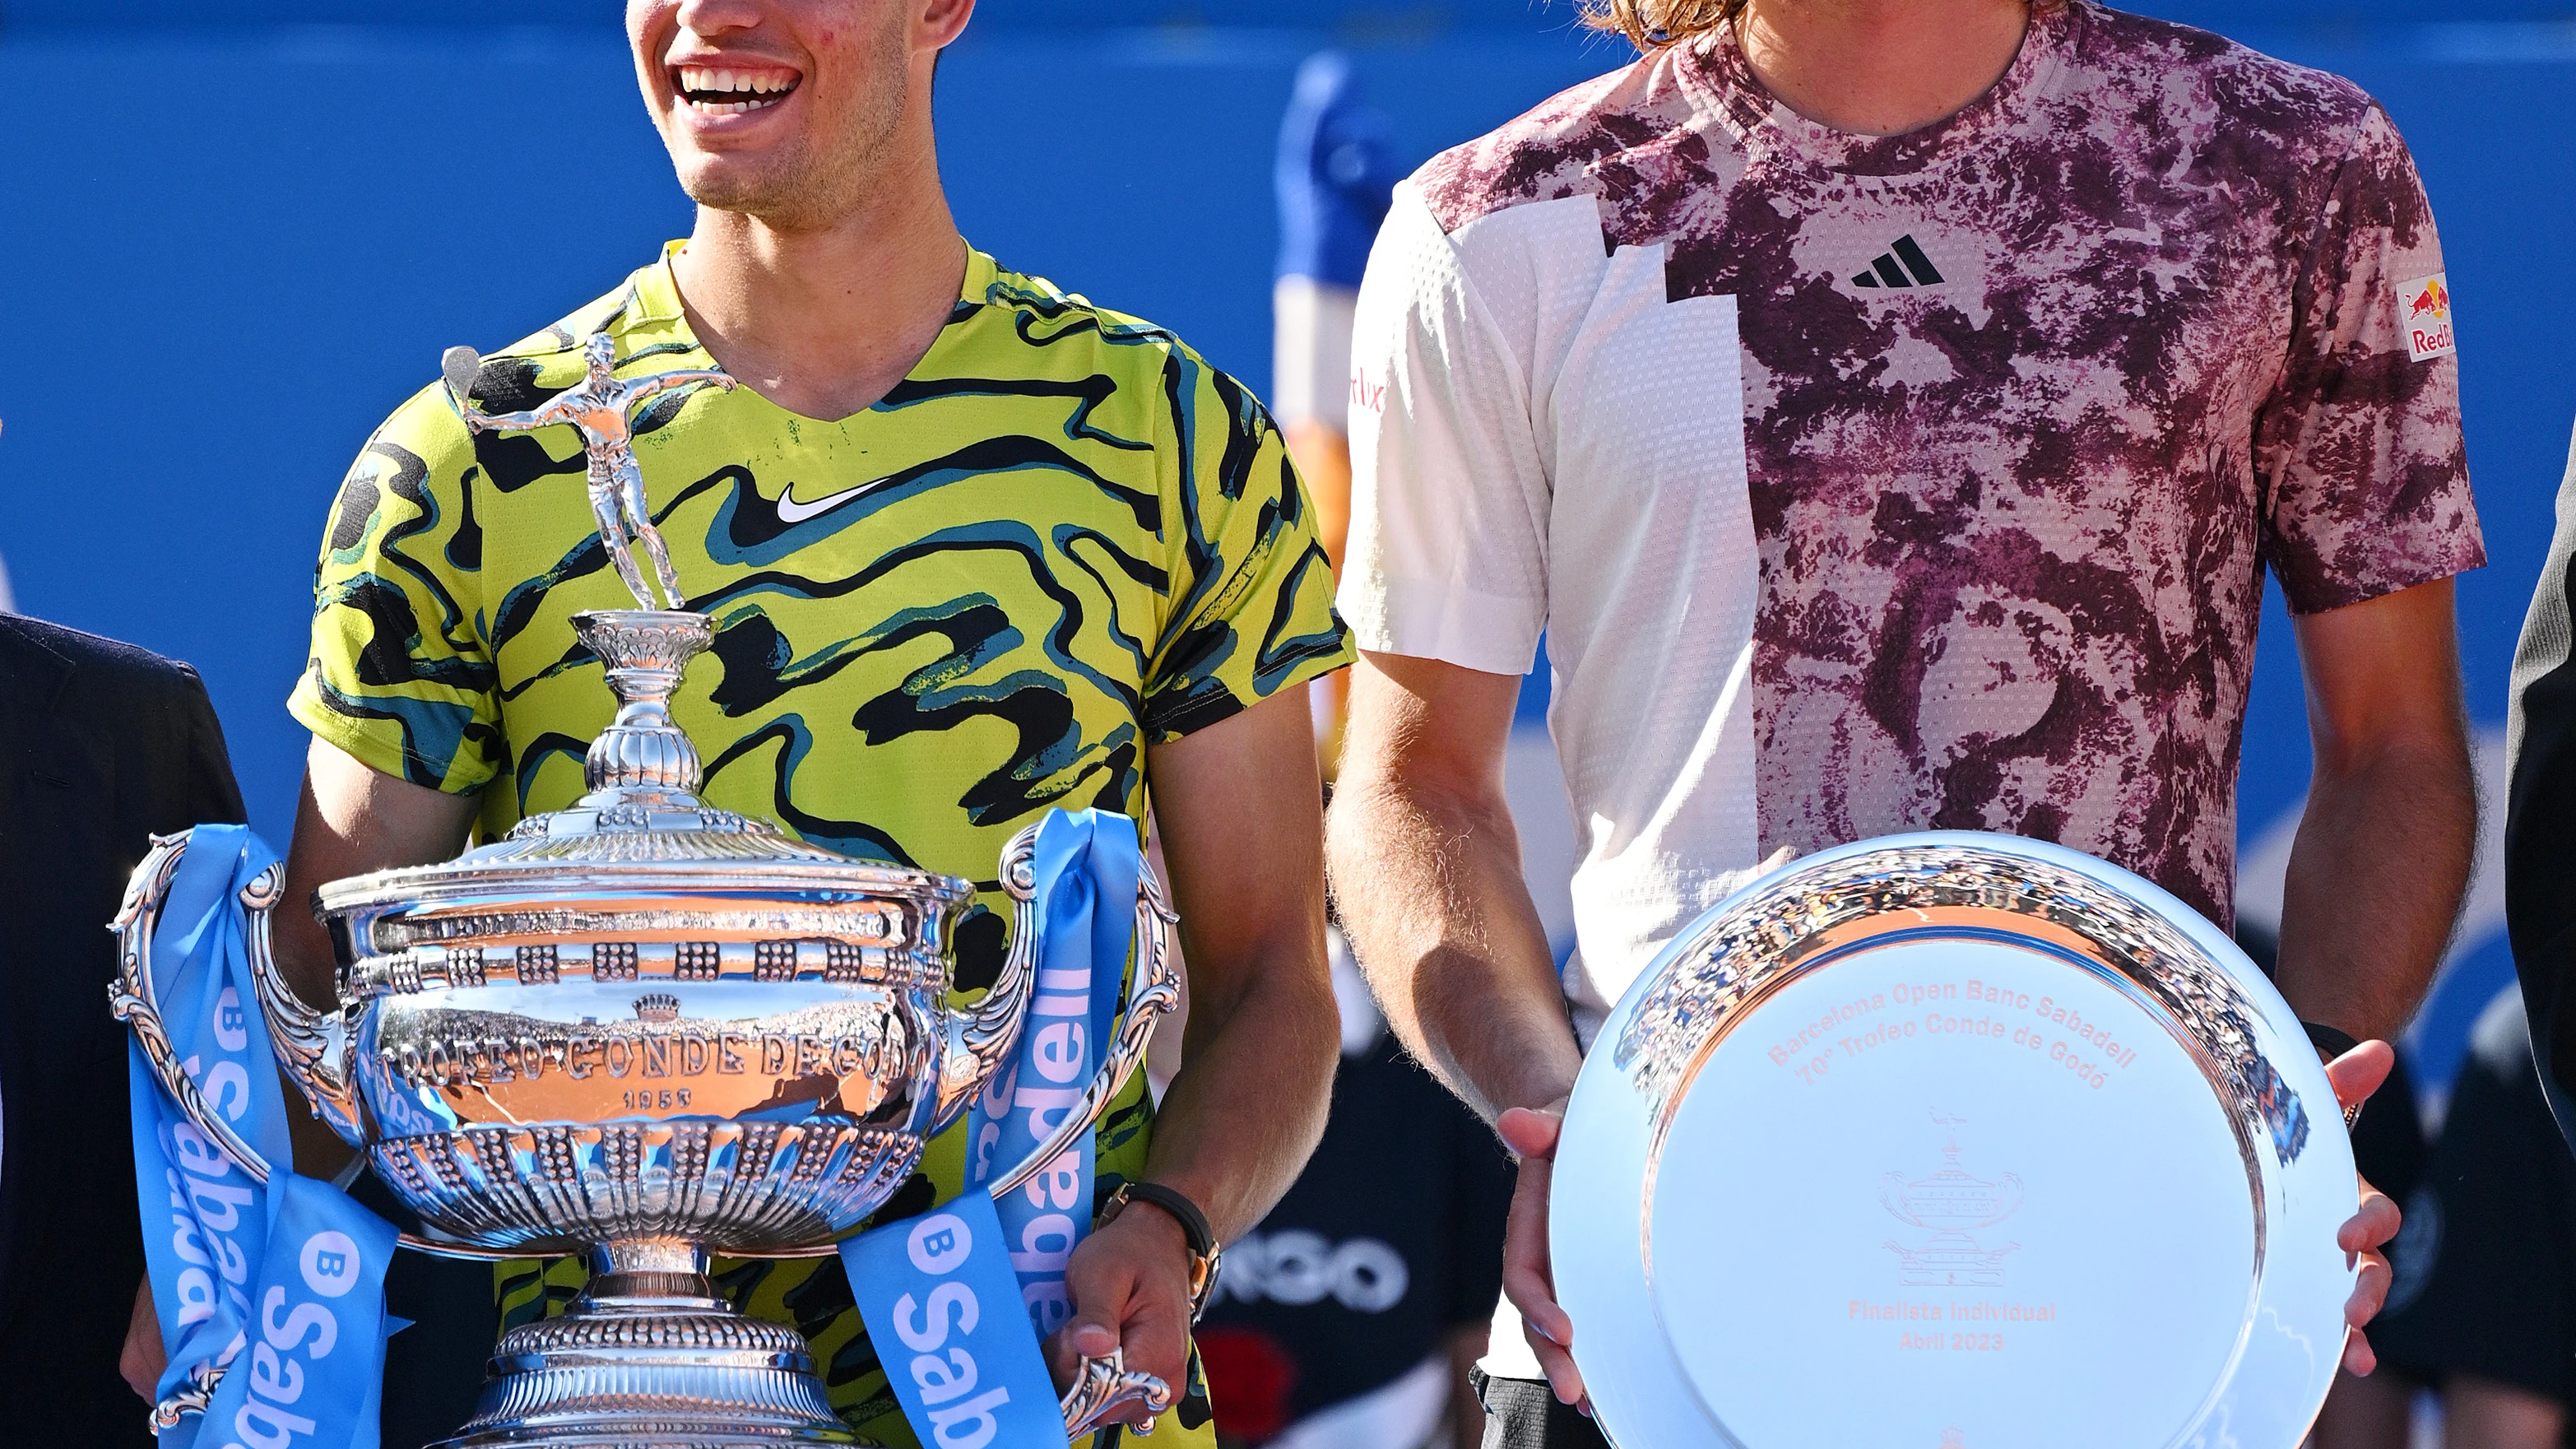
(1902, 265)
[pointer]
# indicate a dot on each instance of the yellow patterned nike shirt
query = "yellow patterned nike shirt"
(1061, 539)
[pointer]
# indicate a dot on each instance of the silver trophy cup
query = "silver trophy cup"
(647, 1030)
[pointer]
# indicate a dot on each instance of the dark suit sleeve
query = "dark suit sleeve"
(212, 795)
(2540, 820)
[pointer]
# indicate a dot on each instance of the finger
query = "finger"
(2357, 1073)
(1528, 1278)
(1558, 1364)
(2373, 1225)
(1536, 1303)
(1776, 859)
(1102, 1284)
(2358, 1359)
(1530, 1132)
(142, 1357)
(1156, 1335)
(2369, 1291)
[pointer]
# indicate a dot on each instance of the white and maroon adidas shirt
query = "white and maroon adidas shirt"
(1874, 484)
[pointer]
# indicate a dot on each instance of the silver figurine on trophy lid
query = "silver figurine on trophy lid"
(1953, 1140)
(647, 1030)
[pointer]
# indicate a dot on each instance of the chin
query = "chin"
(727, 184)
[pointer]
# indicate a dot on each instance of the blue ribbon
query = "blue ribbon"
(933, 1289)
(937, 1292)
(280, 1284)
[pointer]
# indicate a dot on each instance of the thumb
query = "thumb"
(1094, 1329)
(1531, 1131)
(2357, 1073)
(1099, 1310)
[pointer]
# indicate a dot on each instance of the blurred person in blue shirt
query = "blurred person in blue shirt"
(1335, 174)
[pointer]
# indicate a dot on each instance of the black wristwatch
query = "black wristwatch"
(1205, 1255)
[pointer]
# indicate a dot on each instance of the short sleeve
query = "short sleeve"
(1251, 591)
(1449, 499)
(400, 674)
(2365, 483)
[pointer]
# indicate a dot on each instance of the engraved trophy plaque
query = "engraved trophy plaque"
(647, 1030)
(1953, 1139)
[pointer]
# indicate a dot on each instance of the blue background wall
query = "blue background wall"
(236, 232)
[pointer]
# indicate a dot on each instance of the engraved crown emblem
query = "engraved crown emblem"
(1952, 1204)
(1950, 1201)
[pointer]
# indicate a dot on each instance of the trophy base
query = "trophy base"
(651, 1357)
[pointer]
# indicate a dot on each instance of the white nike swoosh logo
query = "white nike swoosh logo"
(791, 511)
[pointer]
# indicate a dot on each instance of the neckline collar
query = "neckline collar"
(657, 292)
(1716, 68)
(653, 298)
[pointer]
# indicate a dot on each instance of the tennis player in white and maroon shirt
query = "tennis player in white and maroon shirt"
(1889, 411)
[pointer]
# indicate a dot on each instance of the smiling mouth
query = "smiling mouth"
(719, 91)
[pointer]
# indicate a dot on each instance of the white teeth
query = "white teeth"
(703, 80)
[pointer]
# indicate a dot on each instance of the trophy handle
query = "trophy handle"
(311, 1045)
(978, 1041)
(191, 1397)
(1158, 990)
(978, 1046)
(1106, 1383)
(131, 996)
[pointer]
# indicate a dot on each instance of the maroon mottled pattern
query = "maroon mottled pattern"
(2013, 526)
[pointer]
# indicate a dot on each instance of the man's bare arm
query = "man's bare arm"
(1427, 871)
(1427, 868)
(2384, 847)
(1239, 808)
(354, 819)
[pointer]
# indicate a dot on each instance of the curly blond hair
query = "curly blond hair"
(1652, 23)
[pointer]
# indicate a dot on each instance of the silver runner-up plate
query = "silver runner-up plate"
(1953, 1141)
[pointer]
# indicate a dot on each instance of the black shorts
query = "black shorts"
(1524, 1414)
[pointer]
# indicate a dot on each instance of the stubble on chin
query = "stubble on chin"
(768, 189)
(813, 180)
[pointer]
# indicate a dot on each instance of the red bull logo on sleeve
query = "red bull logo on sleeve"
(2424, 310)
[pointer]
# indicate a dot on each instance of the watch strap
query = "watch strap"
(1205, 1254)
(2329, 1041)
